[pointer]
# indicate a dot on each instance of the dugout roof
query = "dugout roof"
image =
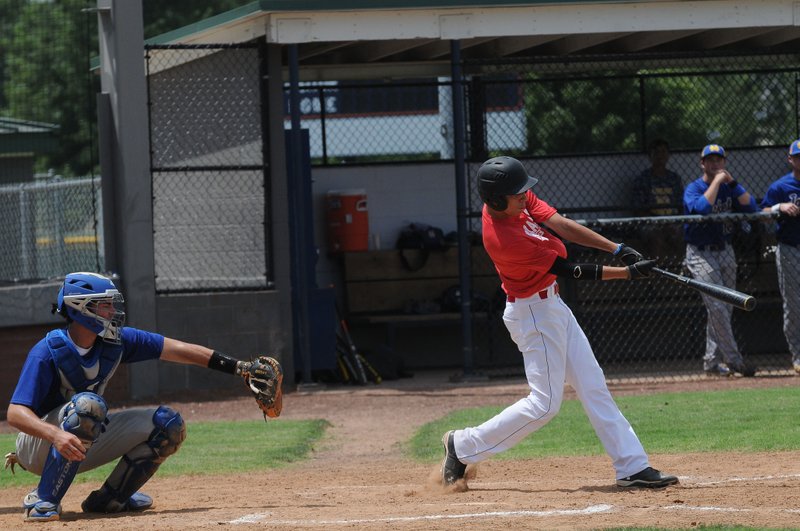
(25, 136)
(348, 39)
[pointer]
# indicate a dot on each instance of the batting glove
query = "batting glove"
(628, 255)
(641, 269)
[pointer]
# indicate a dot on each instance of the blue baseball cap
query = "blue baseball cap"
(713, 149)
(794, 149)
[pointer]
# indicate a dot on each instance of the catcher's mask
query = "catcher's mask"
(502, 176)
(93, 301)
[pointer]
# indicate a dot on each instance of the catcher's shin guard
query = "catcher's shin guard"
(85, 417)
(138, 465)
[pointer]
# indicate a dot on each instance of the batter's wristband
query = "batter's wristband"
(222, 362)
(618, 249)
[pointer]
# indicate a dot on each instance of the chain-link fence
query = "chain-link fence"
(376, 122)
(592, 133)
(583, 126)
(656, 327)
(368, 122)
(591, 129)
(50, 227)
(210, 189)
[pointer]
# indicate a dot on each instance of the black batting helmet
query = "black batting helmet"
(502, 176)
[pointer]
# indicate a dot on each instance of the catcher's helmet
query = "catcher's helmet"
(93, 301)
(502, 176)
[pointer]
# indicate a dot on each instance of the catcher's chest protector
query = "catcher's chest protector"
(83, 373)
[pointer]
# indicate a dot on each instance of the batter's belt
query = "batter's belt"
(551, 290)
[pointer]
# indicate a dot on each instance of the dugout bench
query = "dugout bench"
(413, 288)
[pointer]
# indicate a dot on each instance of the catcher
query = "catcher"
(65, 423)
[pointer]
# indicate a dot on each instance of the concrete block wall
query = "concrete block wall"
(243, 325)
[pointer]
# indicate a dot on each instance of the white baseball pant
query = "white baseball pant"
(555, 350)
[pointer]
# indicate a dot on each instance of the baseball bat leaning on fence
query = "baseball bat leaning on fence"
(726, 295)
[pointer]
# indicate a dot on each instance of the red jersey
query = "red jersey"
(522, 250)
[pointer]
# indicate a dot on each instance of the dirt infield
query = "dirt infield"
(358, 478)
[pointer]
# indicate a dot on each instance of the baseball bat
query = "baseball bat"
(726, 295)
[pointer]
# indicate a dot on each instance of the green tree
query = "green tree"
(10, 11)
(582, 115)
(47, 78)
(161, 17)
(45, 53)
(733, 109)
(608, 113)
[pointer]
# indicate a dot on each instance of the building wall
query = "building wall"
(16, 169)
(243, 325)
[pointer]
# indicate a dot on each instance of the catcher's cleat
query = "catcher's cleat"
(796, 367)
(720, 369)
(30, 499)
(452, 468)
(100, 502)
(648, 478)
(139, 501)
(43, 511)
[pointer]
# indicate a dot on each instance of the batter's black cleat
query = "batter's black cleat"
(648, 478)
(452, 468)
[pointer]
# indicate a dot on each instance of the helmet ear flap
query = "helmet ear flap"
(497, 202)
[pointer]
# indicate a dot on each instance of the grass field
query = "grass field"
(749, 420)
(214, 448)
(733, 421)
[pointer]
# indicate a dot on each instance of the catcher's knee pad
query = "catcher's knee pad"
(168, 434)
(85, 416)
(140, 464)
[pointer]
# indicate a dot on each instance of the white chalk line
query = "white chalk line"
(592, 509)
(694, 481)
(703, 508)
(738, 479)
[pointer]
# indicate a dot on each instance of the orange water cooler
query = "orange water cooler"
(348, 220)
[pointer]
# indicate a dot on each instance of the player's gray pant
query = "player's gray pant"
(717, 267)
(126, 429)
(788, 265)
(555, 350)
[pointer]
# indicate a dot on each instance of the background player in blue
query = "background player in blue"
(658, 191)
(710, 256)
(783, 196)
(64, 423)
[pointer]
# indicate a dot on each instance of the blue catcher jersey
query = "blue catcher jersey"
(54, 371)
(694, 202)
(785, 190)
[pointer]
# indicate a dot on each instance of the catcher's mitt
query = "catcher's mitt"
(264, 377)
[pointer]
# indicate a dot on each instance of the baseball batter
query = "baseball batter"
(64, 421)
(528, 258)
(783, 196)
(710, 256)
